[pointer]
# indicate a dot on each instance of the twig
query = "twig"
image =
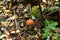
(22, 33)
(50, 13)
(41, 13)
(15, 21)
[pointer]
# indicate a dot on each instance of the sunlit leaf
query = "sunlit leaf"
(2, 36)
(34, 9)
(34, 12)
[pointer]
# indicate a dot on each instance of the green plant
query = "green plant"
(49, 26)
(57, 36)
(51, 9)
(58, 39)
(57, 4)
(34, 11)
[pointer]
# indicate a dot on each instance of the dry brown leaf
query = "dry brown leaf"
(7, 11)
(9, 39)
(22, 24)
(36, 36)
(4, 8)
(26, 15)
(56, 0)
(24, 10)
(12, 18)
(13, 32)
(39, 34)
(17, 31)
(5, 24)
(57, 30)
(11, 24)
(6, 33)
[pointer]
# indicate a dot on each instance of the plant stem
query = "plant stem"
(39, 2)
(40, 13)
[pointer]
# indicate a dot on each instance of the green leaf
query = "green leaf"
(57, 4)
(46, 29)
(51, 24)
(51, 9)
(58, 39)
(56, 35)
(45, 35)
(52, 27)
(34, 9)
(46, 22)
(33, 15)
(46, 32)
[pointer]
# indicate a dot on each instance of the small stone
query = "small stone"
(12, 32)
(4, 8)
(22, 24)
(35, 29)
(26, 15)
(17, 31)
(3, 29)
(36, 36)
(20, 6)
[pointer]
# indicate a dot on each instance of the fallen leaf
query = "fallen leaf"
(57, 30)
(12, 18)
